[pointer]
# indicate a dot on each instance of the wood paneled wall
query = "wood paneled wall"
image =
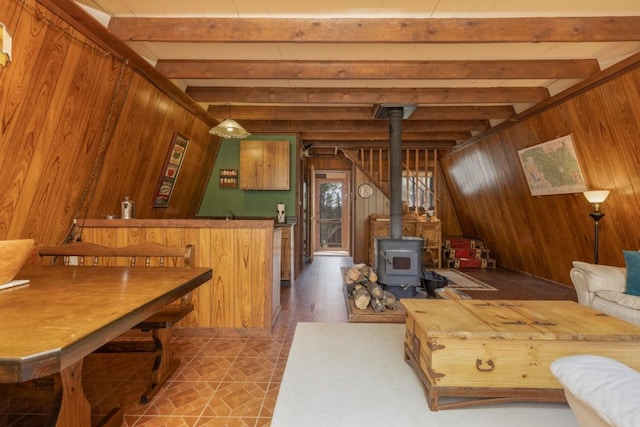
(61, 99)
(542, 235)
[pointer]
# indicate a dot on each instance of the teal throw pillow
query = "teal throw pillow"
(632, 258)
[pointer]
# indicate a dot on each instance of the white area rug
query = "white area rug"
(354, 374)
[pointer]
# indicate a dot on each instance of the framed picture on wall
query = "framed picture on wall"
(552, 167)
(173, 162)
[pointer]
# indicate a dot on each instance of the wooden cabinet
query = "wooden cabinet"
(414, 227)
(275, 282)
(264, 165)
(432, 247)
(285, 263)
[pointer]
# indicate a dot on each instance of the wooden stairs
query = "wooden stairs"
(416, 162)
(462, 252)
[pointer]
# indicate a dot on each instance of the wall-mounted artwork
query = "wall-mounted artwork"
(173, 163)
(552, 167)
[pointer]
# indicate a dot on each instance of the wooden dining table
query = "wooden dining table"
(64, 313)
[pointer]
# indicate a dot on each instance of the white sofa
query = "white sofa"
(601, 392)
(602, 287)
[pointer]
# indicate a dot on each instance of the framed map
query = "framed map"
(552, 168)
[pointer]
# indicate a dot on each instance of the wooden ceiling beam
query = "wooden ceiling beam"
(384, 136)
(382, 70)
(378, 125)
(274, 112)
(382, 30)
(312, 95)
(355, 144)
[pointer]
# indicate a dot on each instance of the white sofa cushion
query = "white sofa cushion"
(603, 277)
(609, 387)
(625, 300)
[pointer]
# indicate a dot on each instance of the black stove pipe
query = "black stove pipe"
(395, 115)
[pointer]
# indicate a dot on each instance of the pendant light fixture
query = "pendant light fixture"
(229, 128)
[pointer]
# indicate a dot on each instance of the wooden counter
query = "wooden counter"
(288, 254)
(243, 297)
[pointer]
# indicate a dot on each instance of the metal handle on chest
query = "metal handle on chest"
(490, 365)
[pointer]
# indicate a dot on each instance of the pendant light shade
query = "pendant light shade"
(229, 129)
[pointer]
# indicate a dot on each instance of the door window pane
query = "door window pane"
(330, 221)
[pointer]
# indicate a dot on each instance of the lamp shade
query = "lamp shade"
(229, 129)
(598, 196)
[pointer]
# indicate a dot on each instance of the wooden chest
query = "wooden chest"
(493, 351)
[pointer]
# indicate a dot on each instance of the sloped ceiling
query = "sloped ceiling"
(321, 68)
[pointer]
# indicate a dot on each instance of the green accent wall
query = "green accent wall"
(217, 201)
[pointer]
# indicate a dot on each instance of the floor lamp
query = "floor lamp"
(596, 198)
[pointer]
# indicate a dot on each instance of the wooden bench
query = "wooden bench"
(159, 324)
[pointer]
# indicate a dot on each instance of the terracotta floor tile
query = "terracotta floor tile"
(222, 347)
(17, 405)
(226, 422)
(270, 400)
(278, 370)
(114, 366)
(253, 369)
(188, 346)
(204, 369)
(182, 398)
(165, 421)
(261, 348)
(24, 420)
(237, 400)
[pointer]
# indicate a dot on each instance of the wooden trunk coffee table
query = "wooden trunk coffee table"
(486, 351)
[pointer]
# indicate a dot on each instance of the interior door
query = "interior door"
(332, 212)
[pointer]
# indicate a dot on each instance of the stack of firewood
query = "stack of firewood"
(364, 289)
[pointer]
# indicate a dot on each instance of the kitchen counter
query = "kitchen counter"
(242, 299)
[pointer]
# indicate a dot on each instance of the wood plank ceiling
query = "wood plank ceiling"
(321, 68)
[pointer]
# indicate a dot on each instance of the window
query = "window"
(417, 188)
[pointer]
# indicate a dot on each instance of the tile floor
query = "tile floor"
(229, 382)
(220, 382)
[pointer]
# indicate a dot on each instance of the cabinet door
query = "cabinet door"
(409, 228)
(250, 165)
(264, 165)
(430, 232)
(276, 165)
(285, 264)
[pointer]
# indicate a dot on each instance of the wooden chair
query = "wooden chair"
(159, 324)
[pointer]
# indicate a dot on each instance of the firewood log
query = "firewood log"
(389, 300)
(362, 298)
(373, 276)
(378, 305)
(356, 288)
(353, 275)
(375, 290)
(350, 288)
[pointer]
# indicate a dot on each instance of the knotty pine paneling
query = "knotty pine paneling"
(60, 98)
(136, 157)
(237, 301)
(542, 235)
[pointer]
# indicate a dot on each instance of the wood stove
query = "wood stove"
(399, 265)
(398, 259)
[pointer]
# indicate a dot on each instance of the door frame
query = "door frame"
(321, 177)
